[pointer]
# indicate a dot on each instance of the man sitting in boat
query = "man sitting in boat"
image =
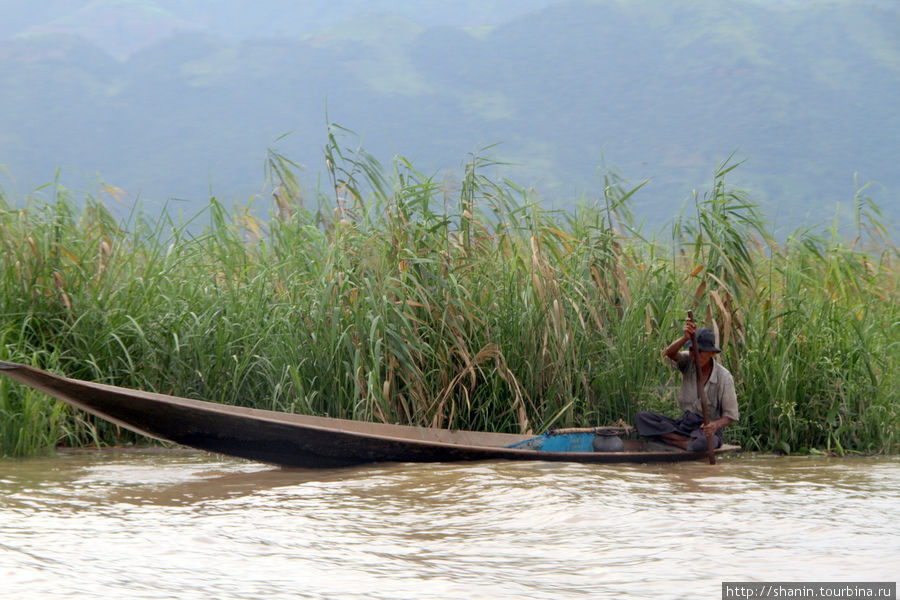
(688, 431)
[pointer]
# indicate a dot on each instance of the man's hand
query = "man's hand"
(690, 328)
(713, 426)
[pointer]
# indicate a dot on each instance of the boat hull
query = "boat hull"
(290, 440)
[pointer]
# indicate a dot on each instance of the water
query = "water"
(193, 525)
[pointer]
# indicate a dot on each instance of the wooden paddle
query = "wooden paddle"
(701, 391)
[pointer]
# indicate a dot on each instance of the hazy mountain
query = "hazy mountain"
(169, 98)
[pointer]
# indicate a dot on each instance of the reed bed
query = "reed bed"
(397, 298)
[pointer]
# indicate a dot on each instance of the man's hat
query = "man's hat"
(706, 340)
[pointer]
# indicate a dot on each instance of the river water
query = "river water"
(151, 524)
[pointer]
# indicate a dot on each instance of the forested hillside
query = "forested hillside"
(169, 99)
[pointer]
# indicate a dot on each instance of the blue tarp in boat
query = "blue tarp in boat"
(559, 442)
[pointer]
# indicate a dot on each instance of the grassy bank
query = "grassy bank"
(398, 299)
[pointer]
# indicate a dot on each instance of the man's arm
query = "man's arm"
(713, 426)
(671, 352)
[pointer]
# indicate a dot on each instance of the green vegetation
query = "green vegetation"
(398, 299)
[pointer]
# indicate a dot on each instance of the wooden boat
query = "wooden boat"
(292, 440)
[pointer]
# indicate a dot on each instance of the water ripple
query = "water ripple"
(198, 526)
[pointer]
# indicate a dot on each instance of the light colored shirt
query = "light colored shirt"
(720, 395)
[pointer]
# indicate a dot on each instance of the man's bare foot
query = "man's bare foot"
(676, 439)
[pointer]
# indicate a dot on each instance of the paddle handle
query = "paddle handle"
(701, 391)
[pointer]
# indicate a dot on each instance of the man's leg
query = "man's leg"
(676, 439)
(649, 424)
(697, 441)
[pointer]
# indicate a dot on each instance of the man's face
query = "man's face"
(705, 357)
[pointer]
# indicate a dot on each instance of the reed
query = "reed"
(393, 297)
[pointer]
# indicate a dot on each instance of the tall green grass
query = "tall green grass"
(394, 297)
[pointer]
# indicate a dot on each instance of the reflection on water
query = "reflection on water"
(193, 525)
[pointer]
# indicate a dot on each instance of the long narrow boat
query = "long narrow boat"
(292, 440)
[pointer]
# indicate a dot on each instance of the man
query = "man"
(688, 432)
